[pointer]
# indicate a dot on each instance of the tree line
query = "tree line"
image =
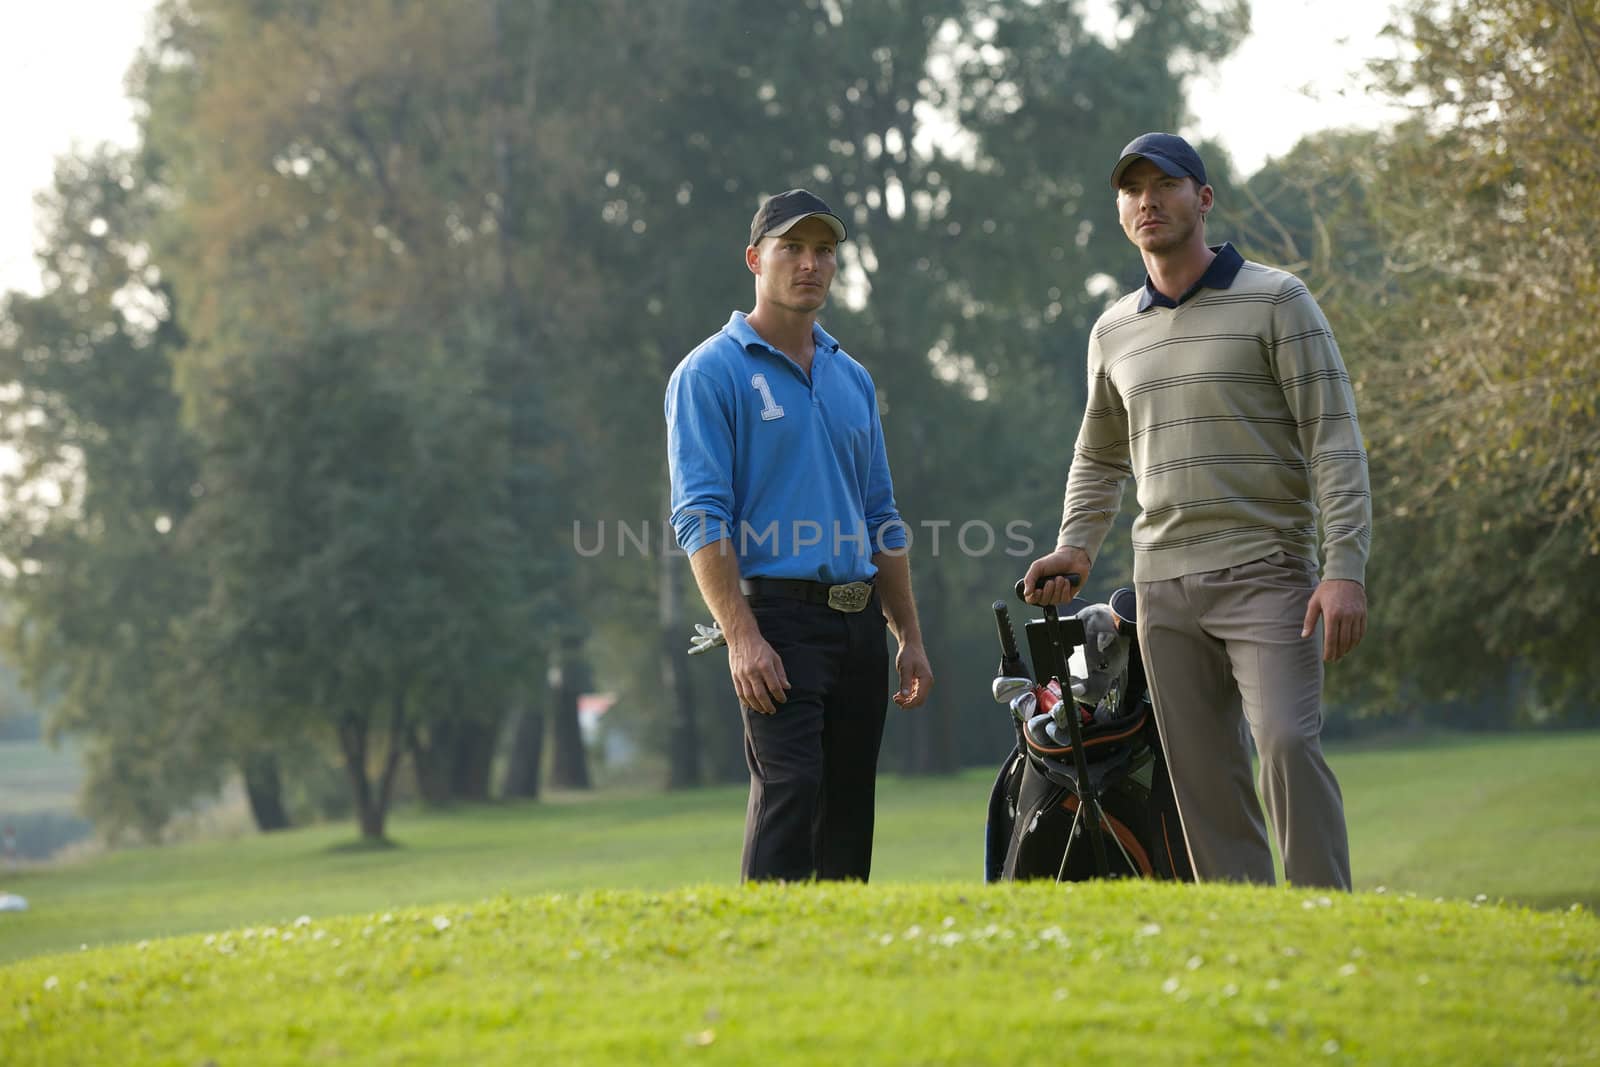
(330, 367)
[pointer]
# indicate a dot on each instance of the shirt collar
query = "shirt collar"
(739, 329)
(1219, 275)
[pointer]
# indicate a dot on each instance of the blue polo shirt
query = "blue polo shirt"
(791, 468)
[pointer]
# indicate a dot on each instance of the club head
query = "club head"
(1005, 689)
(1061, 713)
(1023, 705)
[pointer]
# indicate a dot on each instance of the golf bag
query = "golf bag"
(1085, 743)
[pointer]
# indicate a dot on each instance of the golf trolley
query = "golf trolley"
(1088, 761)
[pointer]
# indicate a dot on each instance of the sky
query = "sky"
(62, 65)
(1299, 71)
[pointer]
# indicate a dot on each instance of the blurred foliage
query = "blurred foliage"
(1453, 255)
(333, 370)
(104, 475)
(367, 241)
(21, 718)
(967, 144)
(1487, 442)
(1486, 207)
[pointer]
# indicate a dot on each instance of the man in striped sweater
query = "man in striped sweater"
(1219, 389)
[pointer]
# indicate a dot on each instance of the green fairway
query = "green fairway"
(883, 974)
(607, 929)
(1507, 816)
(1513, 818)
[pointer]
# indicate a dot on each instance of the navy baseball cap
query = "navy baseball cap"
(1166, 150)
(781, 212)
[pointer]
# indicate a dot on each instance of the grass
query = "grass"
(1509, 816)
(881, 974)
(1513, 818)
(606, 929)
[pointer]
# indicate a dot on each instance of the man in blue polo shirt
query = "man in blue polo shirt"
(781, 496)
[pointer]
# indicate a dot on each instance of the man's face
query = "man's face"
(795, 270)
(1160, 213)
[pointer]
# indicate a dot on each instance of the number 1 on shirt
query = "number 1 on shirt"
(770, 408)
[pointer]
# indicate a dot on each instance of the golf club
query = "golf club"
(1011, 664)
(1059, 653)
(1023, 705)
(1005, 688)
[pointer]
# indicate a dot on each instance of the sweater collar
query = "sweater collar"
(1219, 275)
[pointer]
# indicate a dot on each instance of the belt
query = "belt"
(849, 597)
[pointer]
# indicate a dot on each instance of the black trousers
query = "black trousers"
(814, 764)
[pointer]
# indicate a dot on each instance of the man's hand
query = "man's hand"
(758, 676)
(1067, 560)
(916, 676)
(1342, 605)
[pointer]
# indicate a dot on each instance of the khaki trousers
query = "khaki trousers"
(1223, 654)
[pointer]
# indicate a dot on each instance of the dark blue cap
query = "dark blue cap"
(778, 214)
(1166, 150)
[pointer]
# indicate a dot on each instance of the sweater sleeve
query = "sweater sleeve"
(1316, 386)
(1100, 463)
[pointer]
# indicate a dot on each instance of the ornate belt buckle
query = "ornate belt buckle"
(849, 598)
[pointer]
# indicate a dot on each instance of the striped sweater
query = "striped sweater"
(1233, 413)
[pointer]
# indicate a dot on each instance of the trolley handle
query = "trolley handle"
(1073, 578)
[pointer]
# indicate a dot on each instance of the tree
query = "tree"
(361, 561)
(1483, 204)
(434, 273)
(97, 576)
(1453, 262)
(963, 141)
(1004, 232)
(1485, 440)
(346, 377)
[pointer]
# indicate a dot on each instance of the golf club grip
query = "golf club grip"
(1010, 659)
(1008, 637)
(1073, 578)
